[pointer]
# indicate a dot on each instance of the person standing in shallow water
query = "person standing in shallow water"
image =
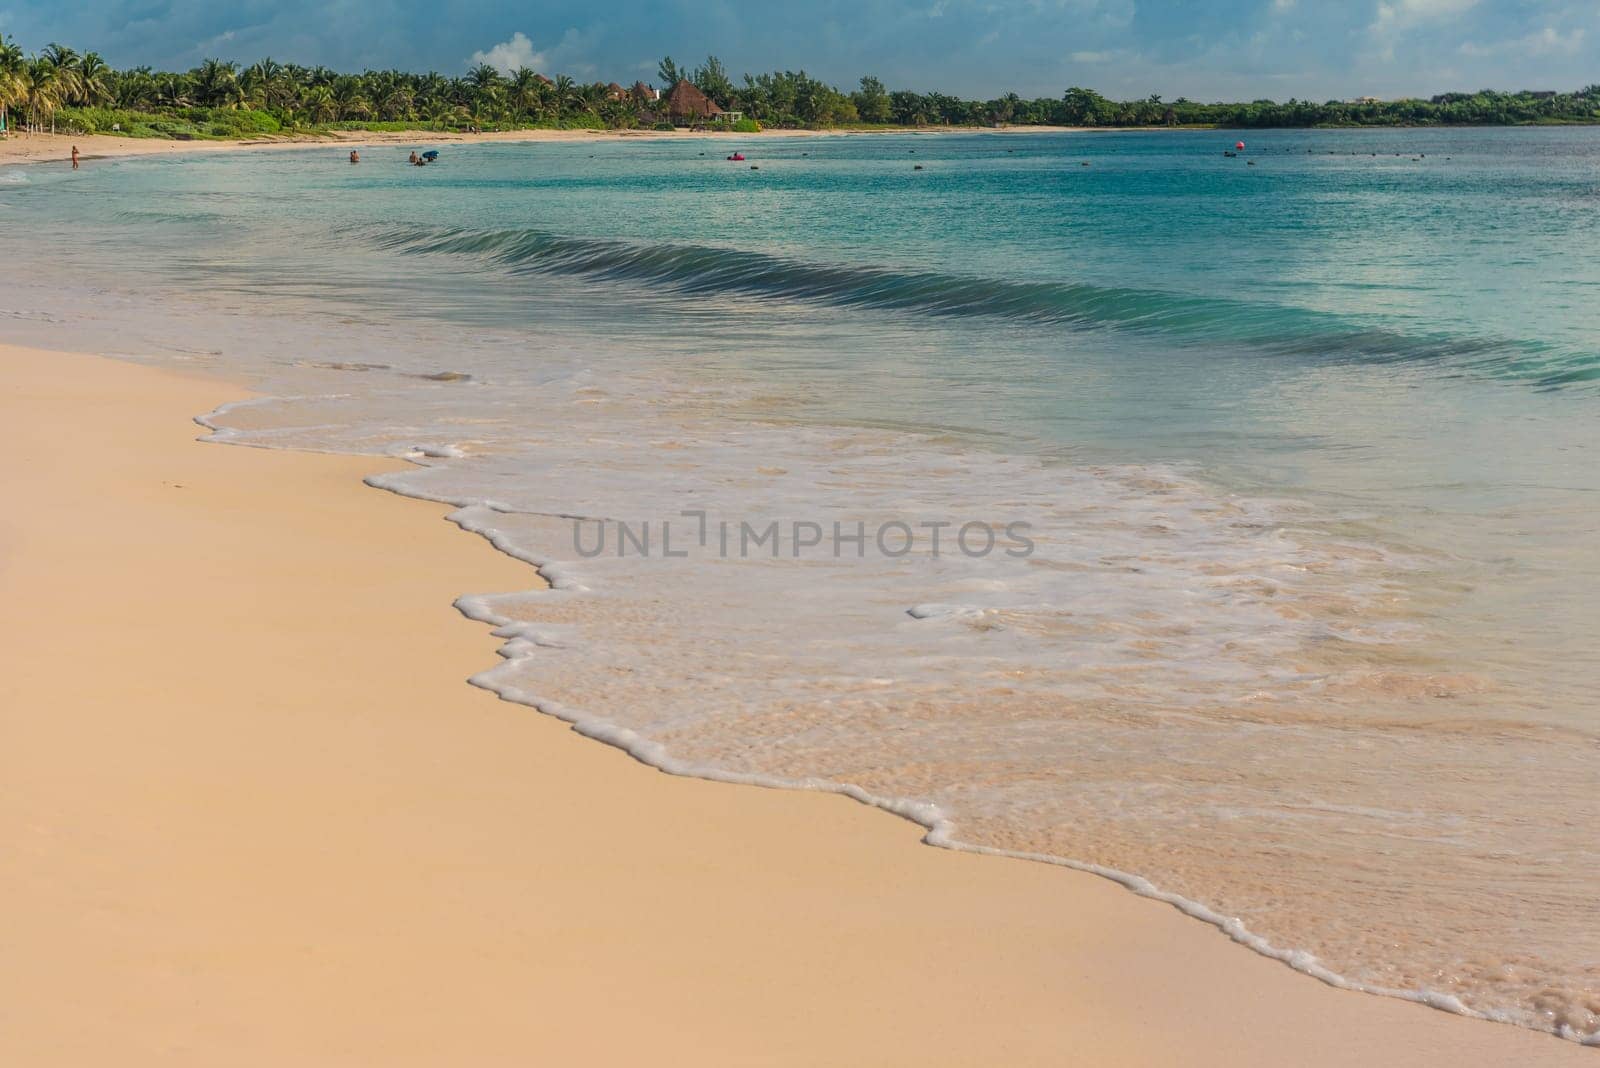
(74, 157)
(355, 157)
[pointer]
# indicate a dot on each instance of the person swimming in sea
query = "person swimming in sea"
(355, 157)
(414, 160)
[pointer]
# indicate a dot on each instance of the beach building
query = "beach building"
(688, 106)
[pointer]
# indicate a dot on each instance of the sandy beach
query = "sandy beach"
(36, 148)
(258, 818)
(44, 147)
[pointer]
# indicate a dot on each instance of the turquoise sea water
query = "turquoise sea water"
(1305, 442)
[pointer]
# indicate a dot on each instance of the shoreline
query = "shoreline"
(404, 869)
(42, 148)
(53, 148)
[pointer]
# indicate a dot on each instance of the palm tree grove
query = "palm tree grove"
(60, 89)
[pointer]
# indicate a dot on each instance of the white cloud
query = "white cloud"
(1284, 5)
(1549, 42)
(568, 55)
(1413, 11)
(507, 56)
(1091, 57)
(1394, 17)
(1546, 42)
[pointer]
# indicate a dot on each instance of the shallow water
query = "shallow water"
(1266, 495)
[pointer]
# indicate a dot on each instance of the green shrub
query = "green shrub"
(380, 126)
(244, 123)
(183, 124)
(108, 121)
(664, 126)
(219, 122)
(746, 125)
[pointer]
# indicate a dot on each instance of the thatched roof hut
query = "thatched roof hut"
(644, 93)
(686, 103)
(616, 92)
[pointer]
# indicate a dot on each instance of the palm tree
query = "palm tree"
(352, 101)
(319, 103)
(216, 84)
(94, 81)
(398, 103)
(12, 91)
(526, 91)
(264, 85)
(483, 77)
(440, 111)
(431, 91)
(173, 91)
(62, 56)
(295, 80)
(135, 89)
(44, 89)
(590, 97)
(565, 95)
(619, 114)
(67, 79)
(487, 104)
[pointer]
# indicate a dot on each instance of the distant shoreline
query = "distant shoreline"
(42, 147)
(55, 148)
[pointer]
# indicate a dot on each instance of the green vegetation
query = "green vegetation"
(59, 87)
(180, 123)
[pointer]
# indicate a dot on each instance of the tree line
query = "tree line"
(220, 98)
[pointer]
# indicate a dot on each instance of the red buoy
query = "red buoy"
(1239, 146)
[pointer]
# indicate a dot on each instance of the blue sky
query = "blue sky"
(1227, 49)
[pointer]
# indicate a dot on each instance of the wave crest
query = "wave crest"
(1272, 329)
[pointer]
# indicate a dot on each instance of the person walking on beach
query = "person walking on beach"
(74, 157)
